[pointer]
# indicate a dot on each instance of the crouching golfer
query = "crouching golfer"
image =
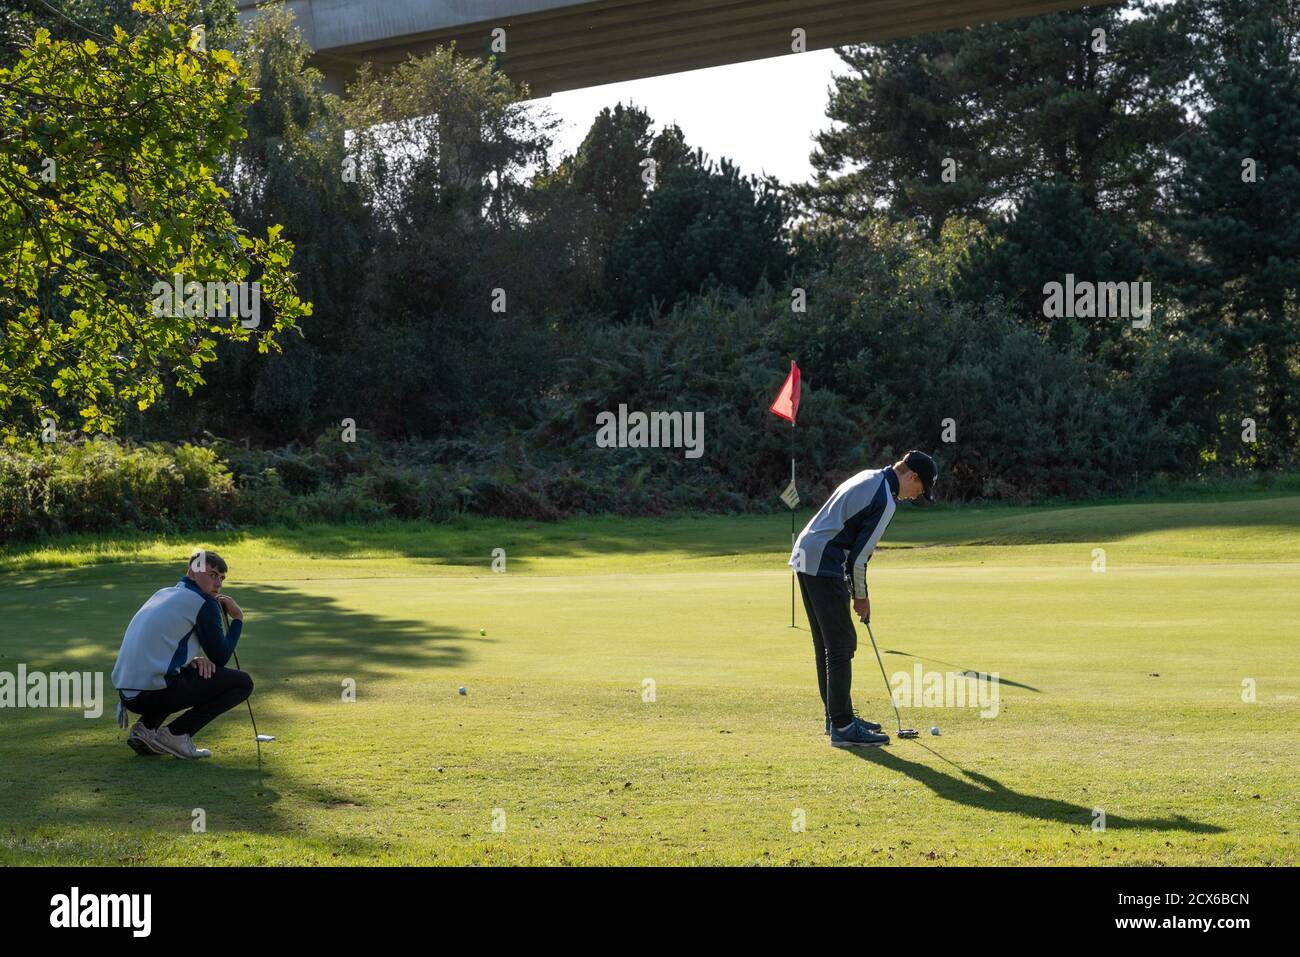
(158, 671)
(833, 550)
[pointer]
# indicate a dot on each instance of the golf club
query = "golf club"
(902, 732)
(225, 620)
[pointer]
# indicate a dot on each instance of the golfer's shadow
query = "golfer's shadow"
(984, 792)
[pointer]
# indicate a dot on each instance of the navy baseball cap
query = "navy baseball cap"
(925, 470)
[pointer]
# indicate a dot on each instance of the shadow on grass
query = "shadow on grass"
(973, 672)
(985, 793)
(60, 769)
(72, 790)
(305, 644)
(465, 542)
(469, 541)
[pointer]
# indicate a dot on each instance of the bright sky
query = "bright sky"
(761, 115)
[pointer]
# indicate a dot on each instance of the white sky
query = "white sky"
(761, 115)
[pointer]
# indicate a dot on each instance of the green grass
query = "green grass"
(1121, 691)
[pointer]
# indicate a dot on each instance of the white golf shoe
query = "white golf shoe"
(141, 740)
(178, 745)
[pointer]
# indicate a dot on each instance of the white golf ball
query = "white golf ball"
(934, 731)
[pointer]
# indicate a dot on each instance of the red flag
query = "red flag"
(786, 403)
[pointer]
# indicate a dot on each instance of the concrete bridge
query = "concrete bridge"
(555, 45)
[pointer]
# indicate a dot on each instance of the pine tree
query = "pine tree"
(1235, 222)
(1085, 96)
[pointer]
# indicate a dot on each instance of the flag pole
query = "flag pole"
(786, 405)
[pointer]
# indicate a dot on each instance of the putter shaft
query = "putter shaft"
(889, 691)
(257, 738)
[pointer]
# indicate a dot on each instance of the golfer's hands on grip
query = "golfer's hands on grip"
(205, 668)
(231, 606)
(862, 608)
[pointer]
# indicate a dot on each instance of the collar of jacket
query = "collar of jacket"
(188, 582)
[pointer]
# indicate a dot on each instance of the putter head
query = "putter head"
(907, 733)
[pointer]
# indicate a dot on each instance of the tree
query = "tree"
(294, 167)
(64, 19)
(451, 332)
(1012, 103)
(1234, 217)
(602, 187)
(1052, 233)
(107, 189)
(607, 167)
(703, 227)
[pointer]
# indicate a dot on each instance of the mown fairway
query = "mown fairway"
(1121, 691)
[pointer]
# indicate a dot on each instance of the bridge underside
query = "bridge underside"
(554, 46)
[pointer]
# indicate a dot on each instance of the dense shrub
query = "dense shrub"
(1033, 418)
(101, 484)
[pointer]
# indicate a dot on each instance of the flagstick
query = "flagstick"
(790, 394)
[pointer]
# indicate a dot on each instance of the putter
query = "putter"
(902, 732)
(225, 620)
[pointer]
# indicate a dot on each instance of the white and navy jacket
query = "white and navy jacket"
(839, 539)
(167, 633)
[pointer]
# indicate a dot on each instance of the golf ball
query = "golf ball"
(482, 631)
(934, 731)
(462, 690)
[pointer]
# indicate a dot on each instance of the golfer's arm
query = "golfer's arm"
(217, 643)
(865, 543)
(858, 570)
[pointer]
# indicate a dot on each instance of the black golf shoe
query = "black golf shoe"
(857, 735)
(869, 725)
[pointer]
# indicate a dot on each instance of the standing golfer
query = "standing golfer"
(832, 551)
(158, 671)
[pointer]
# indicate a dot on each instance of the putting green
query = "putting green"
(1121, 693)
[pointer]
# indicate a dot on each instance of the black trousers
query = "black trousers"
(205, 697)
(835, 639)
